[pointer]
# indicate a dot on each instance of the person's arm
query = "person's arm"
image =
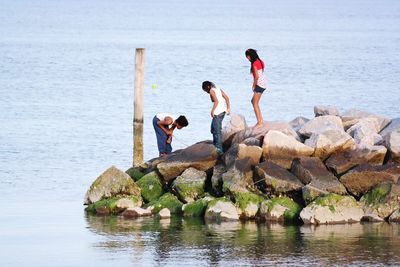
(167, 121)
(228, 105)
(214, 100)
(255, 76)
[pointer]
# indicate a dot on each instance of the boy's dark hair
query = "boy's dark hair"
(182, 121)
(252, 53)
(207, 85)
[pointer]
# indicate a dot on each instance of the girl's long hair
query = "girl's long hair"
(253, 58)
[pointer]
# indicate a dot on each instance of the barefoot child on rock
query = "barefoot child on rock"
(259, 82)
(221, 106)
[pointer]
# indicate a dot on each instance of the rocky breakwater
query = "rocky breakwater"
(333, 168)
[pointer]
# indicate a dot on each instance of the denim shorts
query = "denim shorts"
(259, 89)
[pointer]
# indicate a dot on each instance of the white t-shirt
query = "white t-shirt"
(221, 107)
(161, 117)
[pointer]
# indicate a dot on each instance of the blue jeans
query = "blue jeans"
(162, 137)
(216, 127)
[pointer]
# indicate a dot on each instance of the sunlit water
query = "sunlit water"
(66, 85)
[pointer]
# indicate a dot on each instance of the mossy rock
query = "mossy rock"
(190, 185)
(243, 200)
(151, 187)
(169, 201)
(134, 173)
(110, 205)
(196, 208)
(282, 209)
(330, 200)
(377, 195)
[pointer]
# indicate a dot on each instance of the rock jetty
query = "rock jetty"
(331, 169)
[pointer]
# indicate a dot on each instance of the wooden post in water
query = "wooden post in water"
(138, 108)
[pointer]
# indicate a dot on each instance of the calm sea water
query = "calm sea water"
(66, 85)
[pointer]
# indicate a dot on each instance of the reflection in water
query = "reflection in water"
(191, 241)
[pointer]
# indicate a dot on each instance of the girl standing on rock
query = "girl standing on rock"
(259, 82)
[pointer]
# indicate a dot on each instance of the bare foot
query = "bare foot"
(258, 125)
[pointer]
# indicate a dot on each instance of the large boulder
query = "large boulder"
(325, 110)
(190, 185)
(248, 204)
(382, 200)
(111, 183)
(330, 141)
(342, 161)
(332, 209)
(168, 201)
(150, 187)
(298, 122)
(392, 126)
(201, 156)
(241, 151)
(221, 209)
(365, 131)
(260, 132)
(113, 205)
(321, 124)
(280, 209)
(318, 180)
(236, 124)
(135, 173)
(392, 142)
(239, 177)
(275, 180)
(282, 149)
(353, 116)
(196, 208)
(363, 178)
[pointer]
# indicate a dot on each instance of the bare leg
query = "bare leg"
(255, 100)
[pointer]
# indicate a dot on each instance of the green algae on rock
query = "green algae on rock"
(196, 208)
(280, 209)
(169, 201)
(135, 173)
(190, 185)
(151, 187)
(114, 205)
(248, 203)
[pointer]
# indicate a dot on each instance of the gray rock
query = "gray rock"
(325, 110)
(364, 177)
(319, 180)
(190, 185)
(365, 131)
(113, 182)
(282, 149)
(332, 209)
(392, 142)
(220, 210)
(201, 156)
(239, 177)
(392, 126)
(298, 122)
(236, 124)
(342, 161)
(321, 124)
(328, 142)
(260, 132)
(252, 141)
(241, 151)
(273, 179)
(353, 116)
